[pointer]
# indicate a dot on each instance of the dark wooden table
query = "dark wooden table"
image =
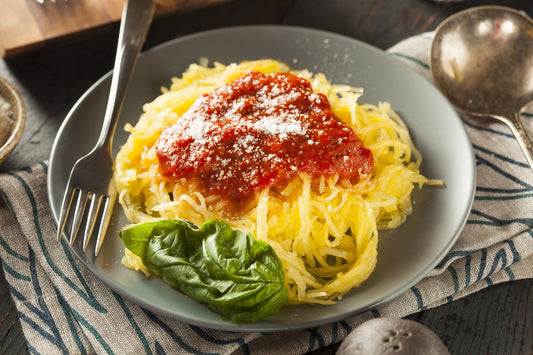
(497, 320)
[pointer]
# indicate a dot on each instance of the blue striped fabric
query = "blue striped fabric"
(65, 309)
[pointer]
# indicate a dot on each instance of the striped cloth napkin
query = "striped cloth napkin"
(64, 308)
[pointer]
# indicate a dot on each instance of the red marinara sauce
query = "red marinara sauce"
(258, 131)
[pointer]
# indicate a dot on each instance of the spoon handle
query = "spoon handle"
(514, 122)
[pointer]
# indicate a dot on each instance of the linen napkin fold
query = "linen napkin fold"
(64, 308)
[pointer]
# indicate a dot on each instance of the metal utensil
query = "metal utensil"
(89, 181)
(482, 60)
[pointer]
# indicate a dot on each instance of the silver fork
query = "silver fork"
(90, 181)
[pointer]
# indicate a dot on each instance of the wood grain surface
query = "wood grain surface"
(29, 25)
(497, 320)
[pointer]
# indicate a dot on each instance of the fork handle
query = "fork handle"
(136, 18)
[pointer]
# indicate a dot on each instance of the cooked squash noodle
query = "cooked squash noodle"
(324, 229)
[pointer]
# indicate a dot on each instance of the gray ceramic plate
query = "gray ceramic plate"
(405, 254)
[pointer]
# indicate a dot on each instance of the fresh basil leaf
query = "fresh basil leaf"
(239, 278)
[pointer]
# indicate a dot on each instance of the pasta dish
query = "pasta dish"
(320, 212)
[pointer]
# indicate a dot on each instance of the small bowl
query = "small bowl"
(9, 141)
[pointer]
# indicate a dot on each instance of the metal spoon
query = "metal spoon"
(482, 60)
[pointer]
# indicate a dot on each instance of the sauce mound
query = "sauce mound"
(258, 131)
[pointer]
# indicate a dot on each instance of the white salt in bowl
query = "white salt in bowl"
(12, 118)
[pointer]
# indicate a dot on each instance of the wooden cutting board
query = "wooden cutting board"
(27, 25)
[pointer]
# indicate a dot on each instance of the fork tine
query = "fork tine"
(65, 209)
(108, 204)
(78, 212)
(91, 218)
